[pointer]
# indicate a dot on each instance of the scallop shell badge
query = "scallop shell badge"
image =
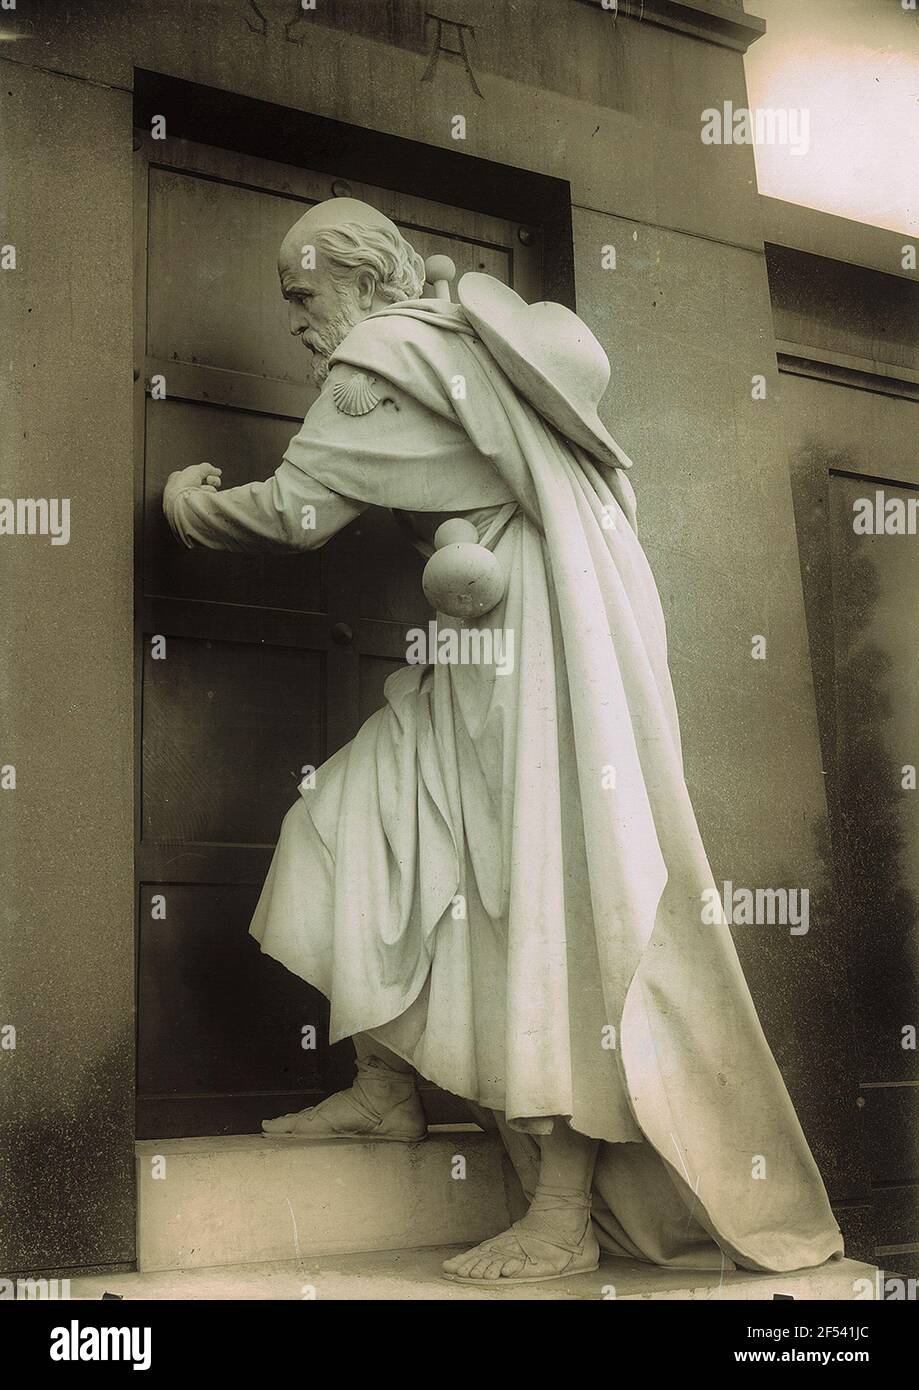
(355, 396)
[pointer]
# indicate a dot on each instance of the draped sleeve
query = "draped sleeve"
(289, 512)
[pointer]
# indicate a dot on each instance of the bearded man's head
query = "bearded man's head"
(338, 263)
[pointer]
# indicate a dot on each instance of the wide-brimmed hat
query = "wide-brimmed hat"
(550, 355)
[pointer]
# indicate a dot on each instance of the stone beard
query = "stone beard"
(323, 342)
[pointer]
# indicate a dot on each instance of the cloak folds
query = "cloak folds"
(551, 802)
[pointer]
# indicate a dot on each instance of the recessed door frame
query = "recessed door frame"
(539, 203)
(535, 257)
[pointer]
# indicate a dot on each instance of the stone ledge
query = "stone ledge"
(722, 22)
(414, 1275)
(254, 1198)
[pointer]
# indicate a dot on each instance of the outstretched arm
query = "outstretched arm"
(290, 512)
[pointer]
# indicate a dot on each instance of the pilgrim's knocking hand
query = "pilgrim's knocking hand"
(203, 475)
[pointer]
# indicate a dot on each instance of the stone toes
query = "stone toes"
(486, 1261)
(462, 1264)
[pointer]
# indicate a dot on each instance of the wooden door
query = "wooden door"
(245, 671)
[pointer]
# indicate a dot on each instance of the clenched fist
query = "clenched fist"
(203, 475)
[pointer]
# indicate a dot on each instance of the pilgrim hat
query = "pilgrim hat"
(550, 355)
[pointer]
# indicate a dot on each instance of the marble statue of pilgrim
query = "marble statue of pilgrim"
(577, 993)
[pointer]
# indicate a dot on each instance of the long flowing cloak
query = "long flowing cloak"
(522, 848)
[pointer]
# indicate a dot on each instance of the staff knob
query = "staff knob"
(440, 272)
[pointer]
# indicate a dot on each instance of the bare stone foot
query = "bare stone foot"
(375, 1107)
(533, 1249)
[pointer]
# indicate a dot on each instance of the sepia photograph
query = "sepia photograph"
(459, 667)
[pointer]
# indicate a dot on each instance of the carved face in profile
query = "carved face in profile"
(338, 263)
(322, 307)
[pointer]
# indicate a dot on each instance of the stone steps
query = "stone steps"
(257, 1216)
(255, 1198)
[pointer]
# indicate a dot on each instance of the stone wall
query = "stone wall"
(846, 315)
(66, 677)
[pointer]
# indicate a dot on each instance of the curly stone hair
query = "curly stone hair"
(394, 264)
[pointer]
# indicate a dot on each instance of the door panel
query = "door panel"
(376, 548)
(213, 269)
(247, 447)
(220, 1043)
(235, 318)
(221, 719)
(259, 677)
(875, 585)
